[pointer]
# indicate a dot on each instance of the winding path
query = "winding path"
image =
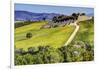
(80, 18)
(73, 34)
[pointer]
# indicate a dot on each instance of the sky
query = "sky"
(67, 10)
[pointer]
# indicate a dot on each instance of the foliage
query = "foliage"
(48, 54)
(62, 18)
(42, 56)
(29, 35)
(20, 24)
(86, 32)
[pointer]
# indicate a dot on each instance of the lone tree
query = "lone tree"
(28, 35)
(44, 18)
(54, 19)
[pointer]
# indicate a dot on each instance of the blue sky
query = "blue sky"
(52, 9)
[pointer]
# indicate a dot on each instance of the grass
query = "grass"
(55, 37)
(26, 28)
(86, 32)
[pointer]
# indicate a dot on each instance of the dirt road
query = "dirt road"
(73, 34)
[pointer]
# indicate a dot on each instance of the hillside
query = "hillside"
(86, 32)
(54, 37)
(25, 16)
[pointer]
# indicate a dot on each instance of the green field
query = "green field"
(55, 37)
(86, 32)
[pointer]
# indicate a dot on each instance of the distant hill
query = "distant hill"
(25, 16)
(90, 14)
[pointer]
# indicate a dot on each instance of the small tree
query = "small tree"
(83, 14)
(44, 19)
(54, 19)
(28, 35)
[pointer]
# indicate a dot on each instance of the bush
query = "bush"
(48, 54)
(55, 26)
(29, 35)
(20, 51)
(51, 55)
(63, 51)
(23, 23)
(32, 50)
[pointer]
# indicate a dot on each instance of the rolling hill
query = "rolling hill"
(25, 16)
(54, 37)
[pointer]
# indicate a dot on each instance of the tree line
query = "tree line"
(62, 18)
(48, 54)
(55, 19)
(20, 24)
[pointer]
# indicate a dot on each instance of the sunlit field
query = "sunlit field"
(55, 37)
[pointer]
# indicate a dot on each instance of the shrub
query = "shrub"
(29, 35)
(32, 50)
(48, 54)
